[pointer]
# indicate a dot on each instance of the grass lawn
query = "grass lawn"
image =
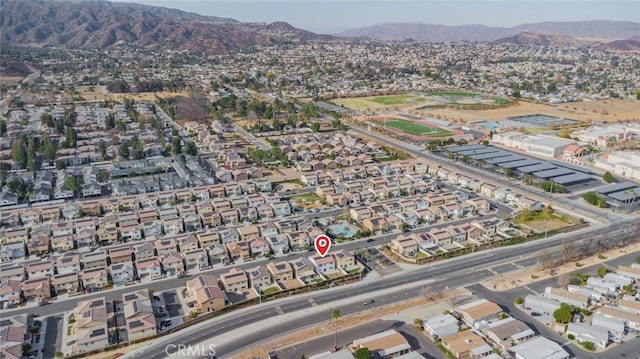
(395, 99)
(421, 255)
(359, 103)
(270, 290)
(501, 101)
(416, 129)
(309, 198)
(453, 93)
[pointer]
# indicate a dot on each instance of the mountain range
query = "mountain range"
(100, 24)
(599, 29)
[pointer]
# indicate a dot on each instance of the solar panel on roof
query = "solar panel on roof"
(626, 195)
(553, 173)
(97, 333)
(616, 187)
(570, 166)
(511, 158)
(536, 168)
(464, 148)
(487, 156)
(135, 324)
(573, 178)
(478, 151)
(522, 163)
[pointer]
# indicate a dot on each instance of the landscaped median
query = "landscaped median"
(422, 258)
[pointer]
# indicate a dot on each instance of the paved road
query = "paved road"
(454, 273)
(53, 336)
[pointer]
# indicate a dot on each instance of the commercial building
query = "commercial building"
(540, 145)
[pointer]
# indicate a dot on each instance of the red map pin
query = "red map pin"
(322, 243)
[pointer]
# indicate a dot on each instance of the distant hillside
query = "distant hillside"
(433, 33)
(100, 24)
(620, 45)
(528, 38)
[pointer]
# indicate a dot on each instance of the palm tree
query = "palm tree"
(335, 314)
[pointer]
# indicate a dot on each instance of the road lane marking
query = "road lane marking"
(532, 291)
(279, 310)
(313, 302)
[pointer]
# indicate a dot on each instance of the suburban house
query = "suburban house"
(90, 326)
(440, 326)
(280, 271)
(479, 312)
(466, 344)
(236, 280)
(205, 293)
(138, 314)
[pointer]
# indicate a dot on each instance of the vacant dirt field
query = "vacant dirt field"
(542, 225)
(97, 95)
(10, 79)
(607, 110)
(530, 275)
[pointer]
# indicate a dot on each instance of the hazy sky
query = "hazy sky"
(328, 16)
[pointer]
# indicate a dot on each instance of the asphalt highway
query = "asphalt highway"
(455, 273)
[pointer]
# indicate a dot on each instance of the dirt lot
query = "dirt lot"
(527, 275)
(541, 225)
(607, 110)
(97, 95)
(10, 79)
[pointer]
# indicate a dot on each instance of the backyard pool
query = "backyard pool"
(343, 229)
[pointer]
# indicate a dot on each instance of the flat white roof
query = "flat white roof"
(540, 348)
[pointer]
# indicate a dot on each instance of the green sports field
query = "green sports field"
(395, 99)
(453, 94)
(415, 129)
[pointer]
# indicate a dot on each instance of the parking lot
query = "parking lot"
(378, 261)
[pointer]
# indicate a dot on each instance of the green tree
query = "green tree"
(102, 149)
(362, 353)
(3, 127)
(191, 148)
(417, 322)
(48, 149)
(70, 137)
(19, 154)
(315, 127)
(74, 183)
(608, 177)
(564, 314)
(26, 348)
(176, 147)
(137, 152)
(123, 150)
(588, 345)
(110, 121)
(335, 315)
(518, 300)
(602, 270)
